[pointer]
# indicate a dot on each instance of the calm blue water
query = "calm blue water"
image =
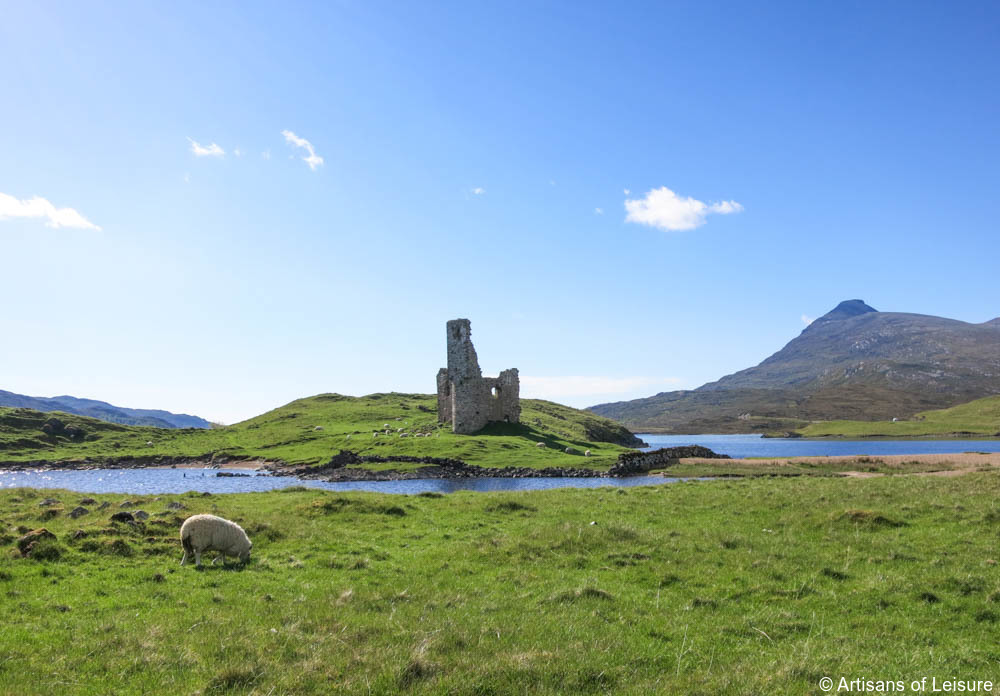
(151, 481)
(739, 446)
(140, 481)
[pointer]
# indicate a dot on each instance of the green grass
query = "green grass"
(817, 466)
(725, 587)
(980, 417)
(289, 434)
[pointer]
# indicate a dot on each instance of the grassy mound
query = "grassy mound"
(311, 430)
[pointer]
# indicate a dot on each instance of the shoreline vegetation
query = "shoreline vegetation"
(731, 586)
(664, 462)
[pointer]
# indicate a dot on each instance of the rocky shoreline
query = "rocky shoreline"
(350, 466)
(150, 462)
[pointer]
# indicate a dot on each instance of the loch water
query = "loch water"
(743, 446)
(159, 481)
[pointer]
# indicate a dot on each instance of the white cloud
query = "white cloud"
(38, 207)
(313, 160)
(200, 150)
(807, 320)
(666, 210)
(627, 192)
(598, 211)
(554, 387)
(479, 190)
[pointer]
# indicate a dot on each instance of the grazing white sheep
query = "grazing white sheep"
(540, 444)
(587, 453)
(201, 533)
(318, 427)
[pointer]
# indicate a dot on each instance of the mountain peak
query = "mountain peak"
(846, 310)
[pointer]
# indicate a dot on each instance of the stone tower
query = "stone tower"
(466, 399)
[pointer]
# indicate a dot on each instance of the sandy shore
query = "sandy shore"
(944, 464)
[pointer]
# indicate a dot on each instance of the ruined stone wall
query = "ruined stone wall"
(466, 399)
(444, 396)
(505, 397)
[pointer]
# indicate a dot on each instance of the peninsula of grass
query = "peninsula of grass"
(979, 418)
(311, 430)
(726, 587)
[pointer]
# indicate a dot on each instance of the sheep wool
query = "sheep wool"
(201, 533)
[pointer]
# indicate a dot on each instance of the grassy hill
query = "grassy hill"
(979, 417)
(311, 430)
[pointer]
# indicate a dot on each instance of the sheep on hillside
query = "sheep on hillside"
(201, 533)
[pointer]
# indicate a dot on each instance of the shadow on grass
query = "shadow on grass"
(529, 433)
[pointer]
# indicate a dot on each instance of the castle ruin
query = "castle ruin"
(466, 399)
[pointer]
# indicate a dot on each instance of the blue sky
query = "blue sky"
(778, 159)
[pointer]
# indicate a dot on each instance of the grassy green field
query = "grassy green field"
(311, 430)
(980, 417)
(726, 587)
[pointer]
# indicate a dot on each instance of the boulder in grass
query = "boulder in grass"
(26, 543)
(79, 511)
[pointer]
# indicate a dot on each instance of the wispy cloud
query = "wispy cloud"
(807, 320)
(598, 211)
(555, 387)
(200, 150)
(313, 160)
(479, 190)
(38, 207)
(664, 209)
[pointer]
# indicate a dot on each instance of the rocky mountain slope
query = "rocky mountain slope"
(853, 363)
(103, 411)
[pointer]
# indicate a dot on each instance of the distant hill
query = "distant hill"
(103, 411)
(979, 418)
(853, 363)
